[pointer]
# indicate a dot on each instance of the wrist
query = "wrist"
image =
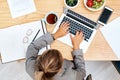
(75, 47)
(55, 36)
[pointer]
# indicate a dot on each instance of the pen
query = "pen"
(36, 35)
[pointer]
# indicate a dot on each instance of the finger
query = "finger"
(62, 24)
(71, 37)
(83, 37)
(77, 33)
(66, 24)
(67, 28)
(67, 32)
(81, 33)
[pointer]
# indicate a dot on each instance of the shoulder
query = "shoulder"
(67, 63)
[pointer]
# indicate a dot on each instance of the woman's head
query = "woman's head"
(48, 64)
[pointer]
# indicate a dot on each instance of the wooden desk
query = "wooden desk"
(99, 48)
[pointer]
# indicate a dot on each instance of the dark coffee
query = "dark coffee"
(51, 18)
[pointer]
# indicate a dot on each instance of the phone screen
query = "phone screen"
(105, 15)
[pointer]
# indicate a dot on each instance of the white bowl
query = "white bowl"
(92, 9)
(70, 6)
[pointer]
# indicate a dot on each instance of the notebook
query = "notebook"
(14, 40)
(111, 33)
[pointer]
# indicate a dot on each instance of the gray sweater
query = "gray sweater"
(71, 70)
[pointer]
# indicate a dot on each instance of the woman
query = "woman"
(51, 65)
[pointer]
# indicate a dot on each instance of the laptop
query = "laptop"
(77, 23)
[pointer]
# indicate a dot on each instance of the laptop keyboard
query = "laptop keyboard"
(81, 19)
(74, 26)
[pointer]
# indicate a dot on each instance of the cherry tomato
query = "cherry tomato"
(89, 3)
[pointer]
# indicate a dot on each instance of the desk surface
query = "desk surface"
(99, 48)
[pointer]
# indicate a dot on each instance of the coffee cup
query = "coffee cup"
(51, 18)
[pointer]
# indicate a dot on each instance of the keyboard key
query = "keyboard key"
(81, 19)
(74, 26)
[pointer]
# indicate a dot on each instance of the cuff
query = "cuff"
(49, 38)
(77, 52)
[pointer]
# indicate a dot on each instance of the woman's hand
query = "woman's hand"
(62, 31)
(77, 39)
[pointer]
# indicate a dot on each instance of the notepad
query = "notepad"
(111, 32)
(21, 7)
(14, 40)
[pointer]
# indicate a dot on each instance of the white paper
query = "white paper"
(21, 7)
(111, 32)
(9, 44)
(12, 46)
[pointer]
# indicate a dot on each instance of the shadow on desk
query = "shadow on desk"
(117, 65)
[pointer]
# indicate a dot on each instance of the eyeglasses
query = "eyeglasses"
(26, 38)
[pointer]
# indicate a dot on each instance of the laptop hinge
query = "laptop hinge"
(65, 10)
(97, 26)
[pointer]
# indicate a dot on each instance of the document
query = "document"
(21, 7)
(111, 32)
(14, 40)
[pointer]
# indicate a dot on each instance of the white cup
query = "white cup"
(51, 18)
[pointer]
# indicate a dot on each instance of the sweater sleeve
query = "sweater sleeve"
(79, 63)
(33, 49)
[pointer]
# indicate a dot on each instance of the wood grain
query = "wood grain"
(99, 48)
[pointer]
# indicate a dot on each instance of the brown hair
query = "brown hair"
(48, 64)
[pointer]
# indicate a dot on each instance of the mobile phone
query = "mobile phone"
(105, 15)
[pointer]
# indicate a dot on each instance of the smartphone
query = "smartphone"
(105, 15)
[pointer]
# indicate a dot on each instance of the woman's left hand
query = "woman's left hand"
(62, 31)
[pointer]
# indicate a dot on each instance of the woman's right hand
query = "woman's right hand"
(77, 39)
(62, 31)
